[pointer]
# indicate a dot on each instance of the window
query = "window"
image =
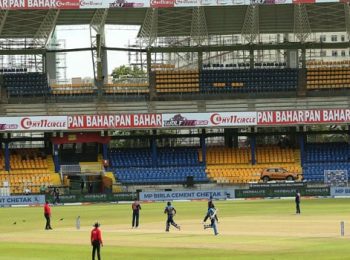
(343, 38)
(343, 53)
(323, 38)
(227, 41)
(334, 53)
(334, 38)
(235, 39)
(323, 53)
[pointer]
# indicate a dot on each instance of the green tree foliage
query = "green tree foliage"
(124, 72)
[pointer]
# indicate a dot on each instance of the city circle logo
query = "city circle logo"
(162, 3)
(232, 119)
(91, 3)
(28, 123)
(68, 4)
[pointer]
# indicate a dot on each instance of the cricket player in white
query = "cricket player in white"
(212, 213)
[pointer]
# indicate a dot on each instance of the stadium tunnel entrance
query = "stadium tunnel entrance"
(76, 157)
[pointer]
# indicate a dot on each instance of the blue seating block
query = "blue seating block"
(26, 84)
(325, 156)
(173, 165)
(254, 80)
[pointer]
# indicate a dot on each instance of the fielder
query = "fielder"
(212, 215)
(170, 210)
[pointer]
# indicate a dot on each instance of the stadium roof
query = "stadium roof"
(220, 20)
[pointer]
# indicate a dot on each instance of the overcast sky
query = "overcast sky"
(79, 64)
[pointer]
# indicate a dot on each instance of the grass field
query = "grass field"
(260, 229)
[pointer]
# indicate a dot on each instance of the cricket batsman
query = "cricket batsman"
(212, 215)
(211, 205)
(171, 212)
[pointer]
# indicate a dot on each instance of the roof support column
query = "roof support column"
(303, 58)
(251, 58)
(3, 16)
(302, 29)
(42, 36)
(151, 77)
(302, 74)
(250, 28)
(347, 18)
(200, 60)
(149, 28)
(199, 31)
(97, 40)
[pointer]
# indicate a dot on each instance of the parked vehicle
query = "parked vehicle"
(268, 174)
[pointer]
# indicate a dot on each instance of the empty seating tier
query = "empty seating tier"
(126, 88)
(26, 84)
(325, 156)
(143, 157)
(248, 81)
(19, 182)
(177, 81)
(73, 89)
(274, 154)
(233, 165)
(161, 66)
(225, 155)
(160, 175)
(173, 165)
(328, 78)
(244, 173)
(29, 168)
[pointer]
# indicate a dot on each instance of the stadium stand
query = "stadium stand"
(29, 169)
(275, 60)
(325, 156)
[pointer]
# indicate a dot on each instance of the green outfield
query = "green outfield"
(261, 229)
